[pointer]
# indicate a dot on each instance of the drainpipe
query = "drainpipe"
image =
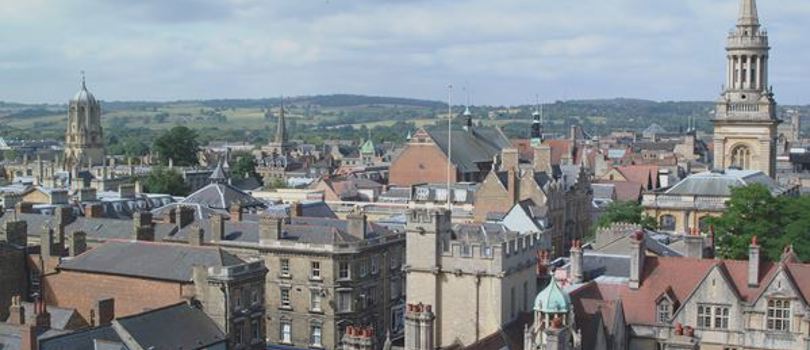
(477, 306)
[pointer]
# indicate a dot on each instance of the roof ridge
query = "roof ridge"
(150, 311)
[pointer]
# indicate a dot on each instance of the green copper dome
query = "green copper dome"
(552, 300)
(367, 148)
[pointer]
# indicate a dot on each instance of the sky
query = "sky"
(496, 52)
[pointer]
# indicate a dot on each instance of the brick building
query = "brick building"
(424, 160)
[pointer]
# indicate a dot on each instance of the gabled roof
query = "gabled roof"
(162, 261)
(479, 145)
(179, 326)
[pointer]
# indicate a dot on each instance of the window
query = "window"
(394, 259)
(345, 301)
(343, 271)
(713, 316)
(285, 267)
(375, 264)
(315, 300)
(286, 332)
(525, 296)
(285, 298)
(512, 302)
(721, 317)
(315, 270)
(486, 251)
(255, 328)
(315, 336)
(363, 268)
(662, 311)
(237, 298)
(254, 296)
(466, 250)
(779, 315)
(666, 223)
(371, 296)
(394, 285)
(239, 332)
(704, 316)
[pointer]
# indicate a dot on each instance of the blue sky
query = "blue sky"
(504, 51)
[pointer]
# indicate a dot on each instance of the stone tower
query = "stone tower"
(84, 139)
(745, 122)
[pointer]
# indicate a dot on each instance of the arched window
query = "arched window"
(666, 223)
(741, 157)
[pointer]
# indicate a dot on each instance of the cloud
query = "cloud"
(505, 50)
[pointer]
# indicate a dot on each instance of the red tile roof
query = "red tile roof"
(641, 174)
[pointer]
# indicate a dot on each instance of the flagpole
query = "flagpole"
(449, 140)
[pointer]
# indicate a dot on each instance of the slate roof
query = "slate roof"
(719, 184)
(488, 233)
(221, 196)
(172, 262)
(300, 229)
(61, 318)
(179, 326)
(480, 145)
(96, 228)
(83, 340)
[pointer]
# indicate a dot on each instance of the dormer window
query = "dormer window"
(663, 311)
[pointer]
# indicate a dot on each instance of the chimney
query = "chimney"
(41, 314)
(28, 337)
(296, 210)
(59, 197)
(46, 243)
(576, 272)
(93, 210)
(753, 263)
(236, 212)
(143, 228)
(16, 311)
(638, 252)
(87, 195)
(17, 233)
(356, 224)
(78, 243)
(542, 158)
(185, 216)
(105, 311)
(196, 236)
(512, 186)
(23, 208)
(509, 159)
(694, 244)
(218, 227)
(126, 191)
(271, 229)
(64, 216)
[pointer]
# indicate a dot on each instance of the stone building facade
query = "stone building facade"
(745, 121)
(472, 278)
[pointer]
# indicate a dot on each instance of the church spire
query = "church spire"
(748, 14)
(281, 129)
(537, 124)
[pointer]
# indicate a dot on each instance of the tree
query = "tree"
(626, 212)
(165, 180)
(245, 165)
(776, 221)
(179, 144)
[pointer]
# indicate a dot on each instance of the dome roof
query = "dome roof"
(552, 300)
(84, 95)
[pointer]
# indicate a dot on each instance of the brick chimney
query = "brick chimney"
(28, 337)
(638, 251)
(142, 226)
(46, 244)
(753, 263)
(105, 311)
(576, 272)
(296, 209)
(512, 186)
(16, 311)
(217, 227)
(196, 235)
(23, 208)
(93, 210)
(87, 195)
(509, 159)
(184, 216)
(42, 317)
(271, 229)
(357, 225)
(236, 212)
(77, 243)
(64, 216)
